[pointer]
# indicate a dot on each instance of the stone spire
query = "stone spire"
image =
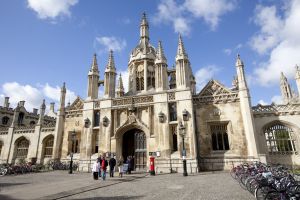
(144, 29)
(120, 87)
(285, 88)
(93, 79)
(110, 77)
(297, 77)
(94, 67)
(111, 62)
(160, 55)
(63, 92)
(42, 113)
(246, 109)
(242, 85)
(181, 54)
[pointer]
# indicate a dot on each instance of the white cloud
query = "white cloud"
(281, 42)
(227, 52)
(110, 43)
(205, 74)
(50, 9)
(270, 32)
(209, 10)
(262, 102)
(182, 15)
(277, 99)
(32, 95)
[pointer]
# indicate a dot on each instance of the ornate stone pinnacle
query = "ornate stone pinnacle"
(94, 63)
(181, 49)
(111, 61)
(239, 61)
(160, 55)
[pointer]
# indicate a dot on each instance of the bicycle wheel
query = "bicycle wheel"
(273, 195)
(3, 171)
(260, 193)
(232, 173)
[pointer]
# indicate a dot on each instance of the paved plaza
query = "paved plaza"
(61, 185)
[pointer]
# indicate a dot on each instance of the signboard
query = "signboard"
(152, 153)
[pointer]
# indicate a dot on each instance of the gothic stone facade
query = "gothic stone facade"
(161, 109)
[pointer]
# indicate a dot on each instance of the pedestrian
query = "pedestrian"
(103, 167)
(120, 166)
(128, 162)
(95, 170)
(112, 164)
(99, 160)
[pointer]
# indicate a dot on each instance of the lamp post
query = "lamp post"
(73, 137)
(182, 134)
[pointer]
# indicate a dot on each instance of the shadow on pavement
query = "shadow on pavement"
(2, 185)
(5, 197)
(115, 198)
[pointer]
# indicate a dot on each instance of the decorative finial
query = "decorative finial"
(160, 55)
(94, 63)
(111, 62)
(239, 62)
(181, 49)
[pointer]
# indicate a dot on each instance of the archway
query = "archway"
(134, 144)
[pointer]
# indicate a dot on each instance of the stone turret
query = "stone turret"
(285, 88)
(110, 77)
(246, 109)
(93, 80)
(183, 69)
(42, 113)
(6, 102)
(297, 77)
(120, 87)
(161, 67)
(60, 122)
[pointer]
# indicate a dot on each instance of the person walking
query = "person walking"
(99, 160)
(95, 169)
(120, 166)
(103, 167)
(112, 164)
(128, 162)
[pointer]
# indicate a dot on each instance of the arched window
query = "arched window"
(5, 120)
(173, 111)
(140, 78)
(279, 138)
(20, 118)
(22, 148)
(96, 118)
(219, 137)
(1, 144)
(48, 147)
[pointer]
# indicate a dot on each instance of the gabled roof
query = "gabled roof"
(213, 88)
(77, 104)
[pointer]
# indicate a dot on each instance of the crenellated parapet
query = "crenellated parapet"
(276, 110)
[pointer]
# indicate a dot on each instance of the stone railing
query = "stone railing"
(74, 113)
(3, 130)
(23, 129)
(48, 129)
(273, 109)
(132, 100)
(221, 98)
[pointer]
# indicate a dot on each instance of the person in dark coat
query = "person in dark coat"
(99, 160)
(112, 164)
(129, 163)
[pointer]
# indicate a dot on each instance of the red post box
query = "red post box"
(152, 166)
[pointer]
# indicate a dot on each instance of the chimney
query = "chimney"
(35, 111)
(21, 103)
(52, 106)
(6, 102)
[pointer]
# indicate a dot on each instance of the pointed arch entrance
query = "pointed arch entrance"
(134, 144)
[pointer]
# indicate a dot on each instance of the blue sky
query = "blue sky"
(47, 42)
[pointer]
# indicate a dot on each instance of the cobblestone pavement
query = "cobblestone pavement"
(61, 185)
